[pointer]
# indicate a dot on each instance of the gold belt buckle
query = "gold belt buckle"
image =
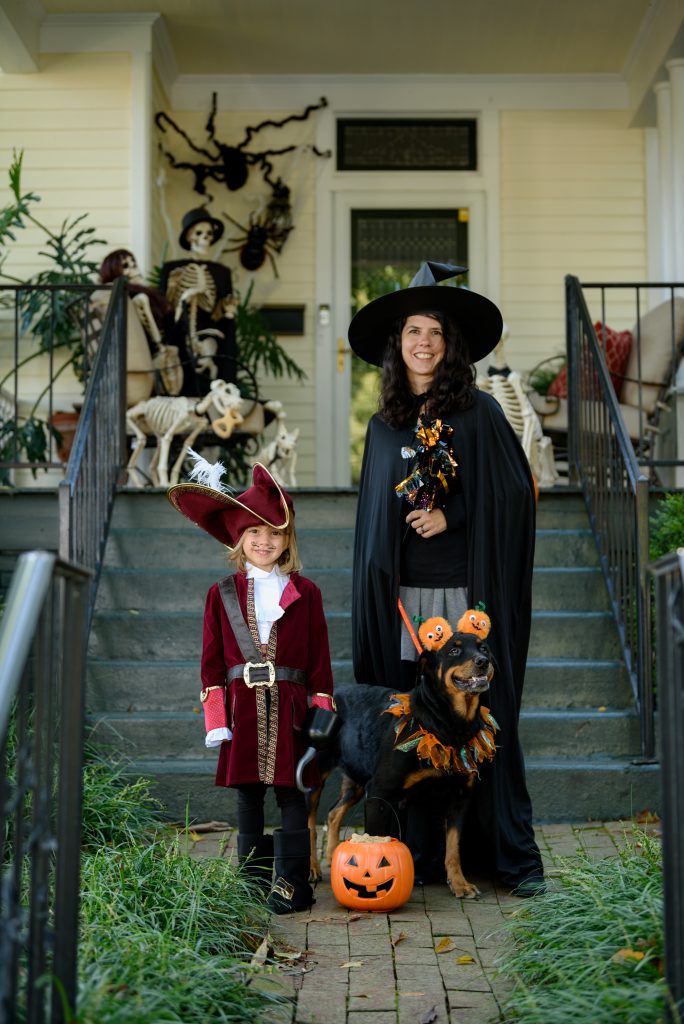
(258, 682)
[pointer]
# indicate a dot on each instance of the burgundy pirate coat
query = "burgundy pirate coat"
(302, 644)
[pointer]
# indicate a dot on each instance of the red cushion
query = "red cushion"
(559, 384)
(616, 345)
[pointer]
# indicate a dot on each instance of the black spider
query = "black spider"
(229, 165)
(267, 233)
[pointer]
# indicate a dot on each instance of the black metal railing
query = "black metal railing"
(50, 330)
(616, 490)
(42, 687)
(87, 492)
(668, 578)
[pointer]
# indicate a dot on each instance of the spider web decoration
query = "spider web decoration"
(227, 164)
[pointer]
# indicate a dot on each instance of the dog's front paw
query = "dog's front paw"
(315, 873)
(462, 889)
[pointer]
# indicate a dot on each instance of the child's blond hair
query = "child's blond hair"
(288, 562)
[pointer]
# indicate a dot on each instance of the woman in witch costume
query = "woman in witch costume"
(446, 521)
(265, 655)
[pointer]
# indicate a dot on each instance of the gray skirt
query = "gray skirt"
(422, 603)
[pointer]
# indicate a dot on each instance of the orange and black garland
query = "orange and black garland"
(479, 748)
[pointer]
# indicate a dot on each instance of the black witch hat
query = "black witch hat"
(478, 319)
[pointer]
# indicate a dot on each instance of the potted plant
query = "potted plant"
(45, 312)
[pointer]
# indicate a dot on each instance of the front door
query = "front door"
(387, 247)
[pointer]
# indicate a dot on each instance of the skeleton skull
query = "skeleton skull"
(201, 238)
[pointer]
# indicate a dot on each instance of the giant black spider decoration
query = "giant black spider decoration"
(267, 232)
(229, 165)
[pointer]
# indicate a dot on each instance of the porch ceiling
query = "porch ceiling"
(390, 36)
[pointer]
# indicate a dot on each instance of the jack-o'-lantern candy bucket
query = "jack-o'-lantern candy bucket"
(372, 873)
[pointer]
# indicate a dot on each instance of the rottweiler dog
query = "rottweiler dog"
(391, 746)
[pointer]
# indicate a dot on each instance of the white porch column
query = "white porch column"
(140, 184)
(666, 211)
(676, 72)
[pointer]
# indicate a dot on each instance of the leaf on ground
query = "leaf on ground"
(400, 938)
(355, 917)
(195, 711)
(627, 954)
(647, 818)
(465, 959)
(284, 954)
(195, 836)
(429, 1016)
(212, 826)
(445, 945)
(261, 954)
(352, 963)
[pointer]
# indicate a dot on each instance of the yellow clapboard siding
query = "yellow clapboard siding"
(39, 101)
(41, 140)
(84, 116)
(572, 201)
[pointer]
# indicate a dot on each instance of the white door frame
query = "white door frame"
(344, 201)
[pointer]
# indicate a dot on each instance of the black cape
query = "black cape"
(500, 524)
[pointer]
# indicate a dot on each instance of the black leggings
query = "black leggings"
(291, 801)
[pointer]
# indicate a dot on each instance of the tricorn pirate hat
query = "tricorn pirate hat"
(226, 516)
(478, 319)
(199, 215)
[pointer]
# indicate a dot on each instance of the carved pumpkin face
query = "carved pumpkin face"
(372, 875)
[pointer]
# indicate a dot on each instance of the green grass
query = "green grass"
(591, 948)
(164, 936)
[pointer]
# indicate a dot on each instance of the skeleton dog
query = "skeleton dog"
(394, 745)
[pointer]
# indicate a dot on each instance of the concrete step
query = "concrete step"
(543, 733)
(576, 635)
(191, 548)
(576, 683)
(565, 548)
(592, 790)
(572, 790)
(546, 732)
(579, 588)
(184, 590)
(120, 684)
(151, 635)
(169, 589)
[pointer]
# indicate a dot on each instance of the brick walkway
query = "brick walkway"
(350, 968)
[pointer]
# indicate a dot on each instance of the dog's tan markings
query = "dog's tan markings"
(419, 776)
(350, 794)
(464, 704)
(452, 862)
(315, 873)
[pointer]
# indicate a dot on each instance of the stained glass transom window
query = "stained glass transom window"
(406, 144)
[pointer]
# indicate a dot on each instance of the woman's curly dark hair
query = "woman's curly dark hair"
(453, 385)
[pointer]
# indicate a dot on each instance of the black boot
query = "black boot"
(291, 890)
(255, 857)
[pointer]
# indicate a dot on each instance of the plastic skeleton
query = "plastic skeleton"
(508, 390)
(192, 287)
(280, 455)
(165, 418)
(166, 359)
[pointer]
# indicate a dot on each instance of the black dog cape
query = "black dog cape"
(500, 522)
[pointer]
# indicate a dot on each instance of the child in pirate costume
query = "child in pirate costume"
(265, 655)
